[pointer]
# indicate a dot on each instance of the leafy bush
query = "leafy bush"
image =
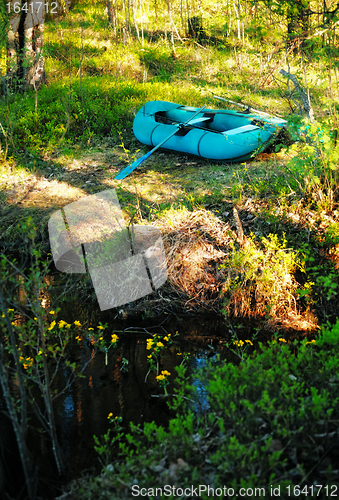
(272, 422)
(261, 280)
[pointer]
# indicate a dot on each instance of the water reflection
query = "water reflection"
(197, 365)
(83, 409)
(119, 387)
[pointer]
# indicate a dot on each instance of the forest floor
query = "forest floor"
(181, 195)
(77, 135)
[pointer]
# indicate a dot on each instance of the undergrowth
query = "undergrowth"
(272, 422)
(261, 281)
(273, 418)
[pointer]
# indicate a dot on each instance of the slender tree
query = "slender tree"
(25, 62)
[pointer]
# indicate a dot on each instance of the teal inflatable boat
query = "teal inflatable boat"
(221, 135)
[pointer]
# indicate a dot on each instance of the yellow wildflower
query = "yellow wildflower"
(110, 415)
(62, 323)
(36, 319)
(68, 325)
(3, 315)
(77, 338)
(101, 338)
(77, 323)
(10, 310)
(12, 323)
(28, 363)
(163, 375)
(115, 338)
(166, 338)
(149, 344)
(149, 356)
(179, 354)
(52, 325)
(282, 340)
(100, 327)
(160, 344)
(52, 312)
(90, 329)
(249, 342)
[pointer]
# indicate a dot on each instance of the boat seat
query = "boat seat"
(241, 130)
(184, 128)
(160, 118)
(259, 123)
(197, 120)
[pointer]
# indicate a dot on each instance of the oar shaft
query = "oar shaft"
(124, 173)
(242, 106)
(175, 131)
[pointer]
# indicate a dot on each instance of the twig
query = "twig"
(240, 231)
(173, 395)
(318, 462)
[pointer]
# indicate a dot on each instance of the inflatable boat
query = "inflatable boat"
(221, 135)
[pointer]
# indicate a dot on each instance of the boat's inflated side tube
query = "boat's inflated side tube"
(234, 136)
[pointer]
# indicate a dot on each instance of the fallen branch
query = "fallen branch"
(304, 97)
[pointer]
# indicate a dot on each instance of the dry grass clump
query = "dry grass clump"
(196, 243)
(206, 262)
(209, 267)
(305, 322)
(252, 279)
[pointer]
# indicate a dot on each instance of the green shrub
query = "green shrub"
(261, 278)
(272, 422)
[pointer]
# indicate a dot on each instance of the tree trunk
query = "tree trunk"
(65, 6)
(19, 423)
(47, 395)
(135, 20)
(111, 13)
(27, 464)
(25, 63)
(297, 23)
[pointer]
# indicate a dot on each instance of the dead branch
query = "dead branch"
(305, 106)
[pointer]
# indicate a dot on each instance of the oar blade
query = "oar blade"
(126, 171)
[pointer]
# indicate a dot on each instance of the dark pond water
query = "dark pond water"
(119, 387)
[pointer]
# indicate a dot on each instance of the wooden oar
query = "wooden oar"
(243, 106)
(124, 173)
